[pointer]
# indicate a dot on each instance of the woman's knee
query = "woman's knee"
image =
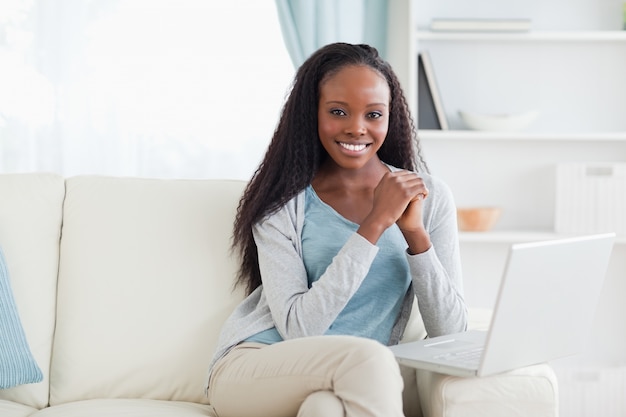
(321, 403)
(369, 357)
(363, 348)
(368, 380)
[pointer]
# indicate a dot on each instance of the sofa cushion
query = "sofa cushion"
(13, 409)
(30, 229)
(17, 365)
(127, 408)
(145, 282)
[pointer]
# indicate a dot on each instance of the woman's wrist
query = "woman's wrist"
(371, 231)
(418, 241)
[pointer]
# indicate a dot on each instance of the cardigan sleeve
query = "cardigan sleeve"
(436, 273)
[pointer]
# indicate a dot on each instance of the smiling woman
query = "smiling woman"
(337, 234)
(165, 88)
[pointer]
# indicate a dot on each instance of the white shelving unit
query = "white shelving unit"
(571, 68)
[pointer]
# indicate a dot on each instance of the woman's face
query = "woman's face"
(353, 115)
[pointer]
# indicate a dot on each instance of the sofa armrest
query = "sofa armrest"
(529, 391)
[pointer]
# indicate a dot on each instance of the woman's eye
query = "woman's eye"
(337, 112)
(375, 115)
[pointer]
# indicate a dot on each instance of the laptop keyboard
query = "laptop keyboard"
(468, 357)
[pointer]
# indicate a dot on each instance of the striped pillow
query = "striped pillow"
(17, 365)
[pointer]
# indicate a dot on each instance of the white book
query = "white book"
(480, 25)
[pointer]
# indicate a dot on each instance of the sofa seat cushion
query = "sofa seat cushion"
(529, 391)
(13, 409)
(127, 408)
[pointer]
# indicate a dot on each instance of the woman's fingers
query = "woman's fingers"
(407, 184)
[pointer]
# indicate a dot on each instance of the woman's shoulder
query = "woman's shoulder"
(289, 215)
(287, 221)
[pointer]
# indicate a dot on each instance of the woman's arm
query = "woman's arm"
(436, 273)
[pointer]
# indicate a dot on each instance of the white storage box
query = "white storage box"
(590, 198)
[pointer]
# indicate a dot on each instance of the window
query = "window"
(160, 88)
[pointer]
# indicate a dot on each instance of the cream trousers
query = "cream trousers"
(322, 376)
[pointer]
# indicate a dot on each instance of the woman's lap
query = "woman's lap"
(256, 380)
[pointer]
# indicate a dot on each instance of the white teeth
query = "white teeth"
(351, 147)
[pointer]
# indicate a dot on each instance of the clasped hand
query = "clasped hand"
(398, 198)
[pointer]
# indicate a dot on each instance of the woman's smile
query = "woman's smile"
(354, 147)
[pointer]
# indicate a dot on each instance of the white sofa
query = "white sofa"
(122, 285)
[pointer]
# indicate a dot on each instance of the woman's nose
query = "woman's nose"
(356, 127)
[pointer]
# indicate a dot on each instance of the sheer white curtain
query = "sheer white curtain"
(159, 88)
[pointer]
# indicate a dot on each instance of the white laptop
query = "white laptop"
(544, 310)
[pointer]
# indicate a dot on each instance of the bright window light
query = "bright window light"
(168, 88)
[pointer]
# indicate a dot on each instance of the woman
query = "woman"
(338, 231)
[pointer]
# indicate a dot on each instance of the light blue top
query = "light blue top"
(374, 308)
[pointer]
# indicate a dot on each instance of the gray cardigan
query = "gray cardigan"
(285, 300)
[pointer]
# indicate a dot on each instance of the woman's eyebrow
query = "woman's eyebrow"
(345, 104)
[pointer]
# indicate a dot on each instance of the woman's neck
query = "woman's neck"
(332, 177)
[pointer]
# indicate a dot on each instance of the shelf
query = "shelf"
(518, 236)
(510, 236)
(520, 136)
(543, 36)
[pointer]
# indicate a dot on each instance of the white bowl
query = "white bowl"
(498, 122)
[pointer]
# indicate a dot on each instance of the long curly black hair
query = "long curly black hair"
(295, 152)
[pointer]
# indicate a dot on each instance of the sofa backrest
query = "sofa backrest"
(145, 282)
(30, 226)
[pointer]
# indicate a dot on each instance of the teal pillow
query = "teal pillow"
(17, 365)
